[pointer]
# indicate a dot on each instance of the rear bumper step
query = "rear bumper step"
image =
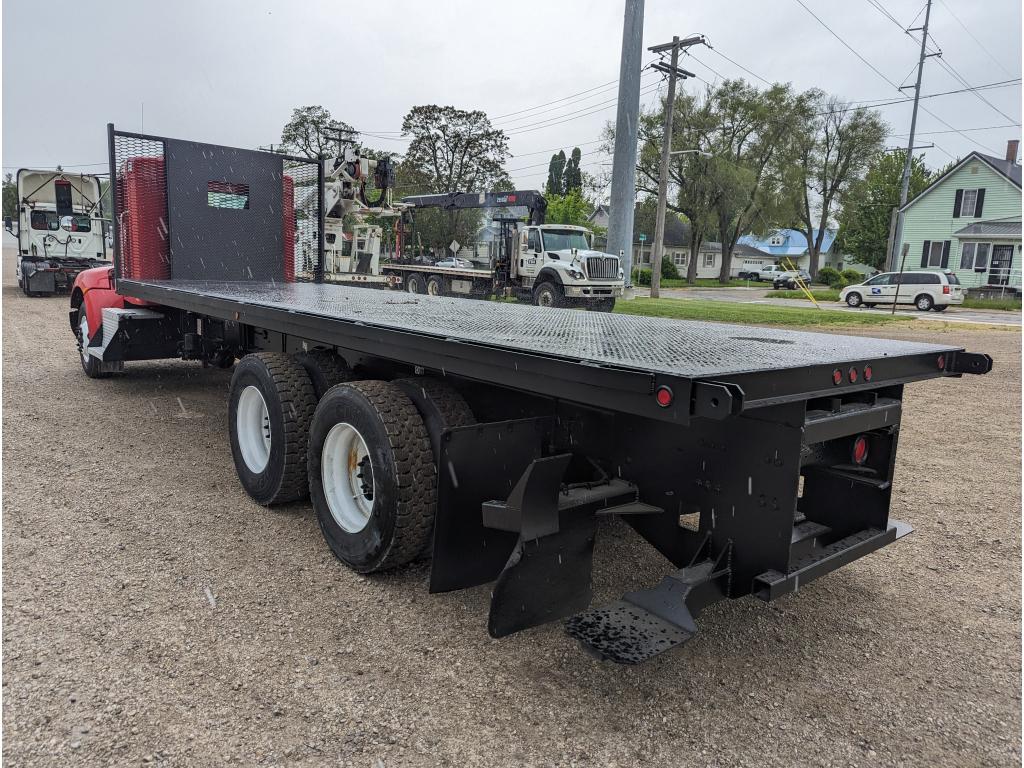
(773, 584)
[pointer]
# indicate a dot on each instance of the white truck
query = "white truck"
(59, 229)
(549, 264)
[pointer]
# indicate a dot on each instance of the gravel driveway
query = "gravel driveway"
(154, 614)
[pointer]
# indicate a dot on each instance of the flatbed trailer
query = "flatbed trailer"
(492, 437)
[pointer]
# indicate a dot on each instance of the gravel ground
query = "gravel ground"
(154, 614)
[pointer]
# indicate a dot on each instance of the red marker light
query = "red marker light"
(868, 373)
(942, 362)
(664, 396)
(860, 450)
(837, 377)
(853, 375)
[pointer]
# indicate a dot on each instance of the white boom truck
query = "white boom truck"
(548, 264)
(59, 229)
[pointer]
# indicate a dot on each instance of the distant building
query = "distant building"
(790, 245)
(969, 221)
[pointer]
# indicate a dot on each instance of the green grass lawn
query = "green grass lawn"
(756, 314)
(706, 282)
(820, 294)
(1007, 304)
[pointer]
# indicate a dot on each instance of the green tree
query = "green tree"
(312, 132)
(451, 150)
(570, 208)
(831, 151)
(555, 184)
(10, 197)
(867, 206)
(572, 179)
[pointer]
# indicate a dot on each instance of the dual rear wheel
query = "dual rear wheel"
(364, 452)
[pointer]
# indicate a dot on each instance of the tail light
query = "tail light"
(945, 289)
(664, 396)
(860, 450)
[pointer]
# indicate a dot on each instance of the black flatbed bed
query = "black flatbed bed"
(589, 357)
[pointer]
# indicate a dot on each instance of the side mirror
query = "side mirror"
(8, 225)
(67, 223)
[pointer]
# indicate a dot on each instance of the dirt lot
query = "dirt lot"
(121, 511)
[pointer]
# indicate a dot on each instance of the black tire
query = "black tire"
(869, 306)
(414, 283)
(854, 299)
(401, 520)
(941, 307)
(924, 302)
(325, 368)
(90, 364)
(547, 294)
(602, 305)
(289, 398)
(436, 286)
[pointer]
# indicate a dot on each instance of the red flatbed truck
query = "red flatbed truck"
(491, 437)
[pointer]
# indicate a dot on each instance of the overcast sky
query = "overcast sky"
(231, 72)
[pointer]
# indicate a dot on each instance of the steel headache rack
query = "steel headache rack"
(493, 436)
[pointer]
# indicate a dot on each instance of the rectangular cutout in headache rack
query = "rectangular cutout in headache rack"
(185, 210)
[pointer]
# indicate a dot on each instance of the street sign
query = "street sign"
(643, 237)
(455, 246)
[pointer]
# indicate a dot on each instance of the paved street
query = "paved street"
(757, 296)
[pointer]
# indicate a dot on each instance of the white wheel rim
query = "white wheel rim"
(252, 427)
(432, 288)
(345, 464)
(83, 330)
(545, 299)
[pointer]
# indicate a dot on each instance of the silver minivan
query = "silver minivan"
(925, 289)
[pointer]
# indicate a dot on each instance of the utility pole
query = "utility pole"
(673, 71)
(890, 261)
(623, 194)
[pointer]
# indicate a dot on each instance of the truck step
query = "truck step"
(650, 621)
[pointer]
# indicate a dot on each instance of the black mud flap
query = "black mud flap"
(648, 622)
(478, 463)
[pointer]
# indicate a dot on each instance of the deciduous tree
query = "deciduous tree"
(312, 132)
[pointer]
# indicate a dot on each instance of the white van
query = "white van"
(924, 289)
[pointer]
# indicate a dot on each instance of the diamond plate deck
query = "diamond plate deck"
(691, 349)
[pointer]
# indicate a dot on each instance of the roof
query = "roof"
(794, 242)
(991, 229)
(1005, 167)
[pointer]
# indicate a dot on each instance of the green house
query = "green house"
(969, 220)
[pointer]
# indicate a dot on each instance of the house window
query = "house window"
(969, 202)
(775, 240)
(975, 256)
(935, 254)
(709, 259)
(679, 259)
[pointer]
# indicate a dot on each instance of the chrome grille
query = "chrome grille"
(602, 268)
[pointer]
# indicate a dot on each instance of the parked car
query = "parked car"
(925, 289)
(789, 278)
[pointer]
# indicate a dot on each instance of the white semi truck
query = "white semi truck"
(60, 229)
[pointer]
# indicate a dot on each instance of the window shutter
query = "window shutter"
(945, 254)
(980, 204)
(927, 247)
(956, 203)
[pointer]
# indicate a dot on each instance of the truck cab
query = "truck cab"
(559, 265)
(59, 229)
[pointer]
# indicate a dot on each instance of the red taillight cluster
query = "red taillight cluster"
(852, 375)
(942, 362)
(868, 373)
(860, 450)
(946, 289)
(837, 377)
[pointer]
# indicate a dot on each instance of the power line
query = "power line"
(936, 133)
(976, 40)
(879, 72)
(737, 64)
(960, 78)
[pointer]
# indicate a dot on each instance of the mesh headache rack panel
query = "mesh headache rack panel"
(191, 211)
